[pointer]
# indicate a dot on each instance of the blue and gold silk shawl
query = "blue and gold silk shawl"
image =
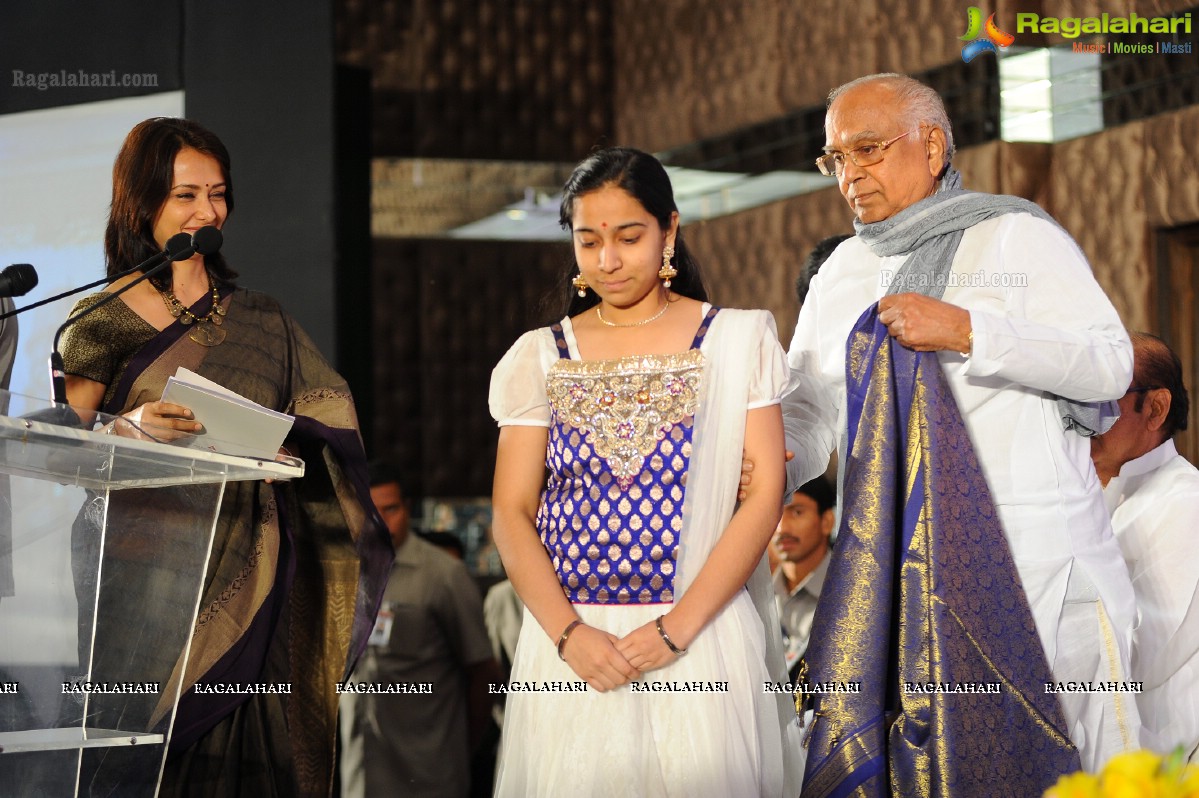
(923, 609)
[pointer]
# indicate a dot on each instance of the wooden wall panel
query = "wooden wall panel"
(445, 312)
(498, 79)
(1096, 193)
(691, 69)
(1169, 167)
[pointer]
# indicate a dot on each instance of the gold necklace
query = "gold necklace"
(207, 331)
(658, 315)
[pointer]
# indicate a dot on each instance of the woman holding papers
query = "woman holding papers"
(296, 569)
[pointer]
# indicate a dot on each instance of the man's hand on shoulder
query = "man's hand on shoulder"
(926, 324)
(747, 473)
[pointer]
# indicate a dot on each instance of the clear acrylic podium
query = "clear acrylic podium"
(77, 716)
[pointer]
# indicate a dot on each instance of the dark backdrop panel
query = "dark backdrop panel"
(261, 76)
(446, 311)
(138, 44)
(352, 197)
(525, 80)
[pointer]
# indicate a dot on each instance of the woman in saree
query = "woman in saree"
(297, 568)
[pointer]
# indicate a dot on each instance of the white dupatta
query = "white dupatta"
(743, 358)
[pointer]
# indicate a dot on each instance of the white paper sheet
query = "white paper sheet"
(232, 423)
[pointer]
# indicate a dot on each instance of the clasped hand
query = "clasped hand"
(925, 324)
(606, 661)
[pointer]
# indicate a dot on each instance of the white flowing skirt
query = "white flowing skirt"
(702, 727)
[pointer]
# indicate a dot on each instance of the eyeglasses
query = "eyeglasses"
(832, 163)
(1143, 388)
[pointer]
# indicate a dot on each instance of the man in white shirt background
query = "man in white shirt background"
(1152, 493)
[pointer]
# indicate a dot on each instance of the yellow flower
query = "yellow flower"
(1134, 764)
(1135, 774)
(1075, 785)
(1132, 775)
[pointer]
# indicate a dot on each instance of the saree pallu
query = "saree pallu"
(923, 610)
(295, 575)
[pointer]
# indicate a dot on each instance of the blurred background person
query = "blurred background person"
(812, 263)
(429, 632)
(503, 612)
(448, 542)
(802, 544)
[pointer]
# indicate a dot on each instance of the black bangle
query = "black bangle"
(678, 652)
(570, 627)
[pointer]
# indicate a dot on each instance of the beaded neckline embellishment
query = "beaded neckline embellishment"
(626, 406)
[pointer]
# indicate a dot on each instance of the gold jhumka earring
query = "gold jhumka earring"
(667, 272)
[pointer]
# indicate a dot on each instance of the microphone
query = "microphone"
(18, 280)
(180, 246)
(207, 240)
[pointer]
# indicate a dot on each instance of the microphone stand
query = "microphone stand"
(65, 294)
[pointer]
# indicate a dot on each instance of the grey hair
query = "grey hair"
(920, 102)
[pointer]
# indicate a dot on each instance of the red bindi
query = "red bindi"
(603, 224)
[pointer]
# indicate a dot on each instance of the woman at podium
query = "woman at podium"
(296, 568)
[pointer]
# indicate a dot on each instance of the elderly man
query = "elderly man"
(1153, 495)
(1024, 336)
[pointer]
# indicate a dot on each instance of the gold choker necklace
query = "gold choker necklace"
(658, 315)
(207, 331)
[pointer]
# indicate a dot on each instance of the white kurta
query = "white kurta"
(1154, 503)
(1041, 324)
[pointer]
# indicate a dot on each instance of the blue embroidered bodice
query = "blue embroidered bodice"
(618, 452)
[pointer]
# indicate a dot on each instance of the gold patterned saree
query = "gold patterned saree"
(927, 673)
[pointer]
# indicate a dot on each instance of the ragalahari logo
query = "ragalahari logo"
(982, 38)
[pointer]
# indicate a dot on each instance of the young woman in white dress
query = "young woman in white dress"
(643, 663)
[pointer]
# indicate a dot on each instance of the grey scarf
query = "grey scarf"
(931, 230)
